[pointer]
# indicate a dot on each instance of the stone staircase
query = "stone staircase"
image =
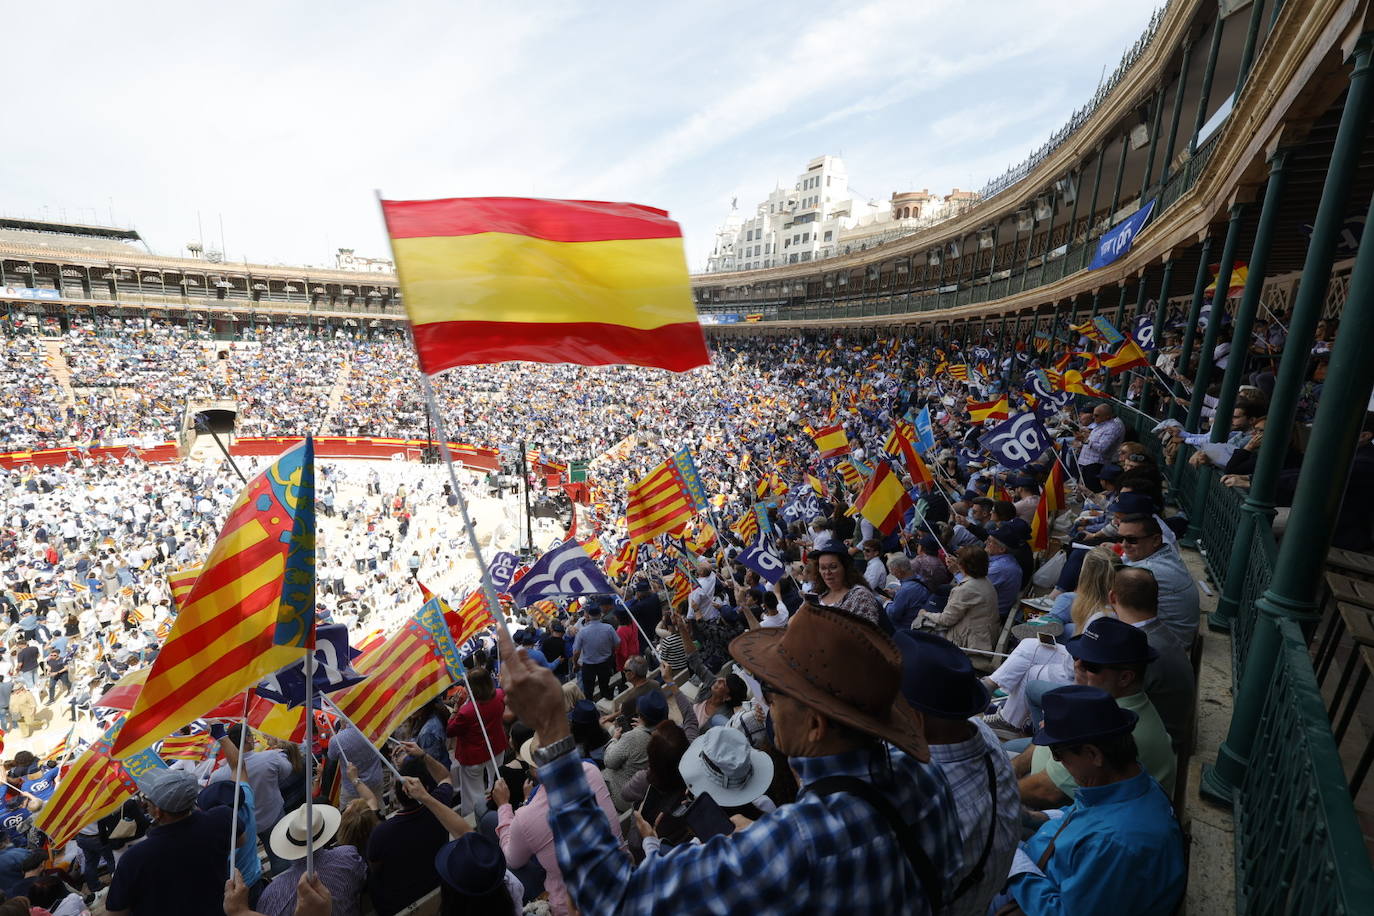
(59, 369)
(335, 398)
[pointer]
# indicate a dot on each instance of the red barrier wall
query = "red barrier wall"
(473, 456)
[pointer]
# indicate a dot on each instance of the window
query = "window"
(806, 236)
(829, 234)
(786, 242)
(806, 255)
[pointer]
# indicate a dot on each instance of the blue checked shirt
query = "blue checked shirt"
(819, 855)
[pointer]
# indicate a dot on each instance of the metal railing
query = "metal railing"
(1218, 522)
(1299, 847)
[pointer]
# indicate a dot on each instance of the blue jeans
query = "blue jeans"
(1035, 693)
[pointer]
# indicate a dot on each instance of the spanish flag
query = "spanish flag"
(1052, 500)
(498, 279)
(1128, 357)
(884, 501)
(832, 441)
(1074, 383)
(251, 611)
(989, 410)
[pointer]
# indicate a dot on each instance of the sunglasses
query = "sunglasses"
(1134, 539)
(1057, 750)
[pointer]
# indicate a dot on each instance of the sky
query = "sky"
(284, 119)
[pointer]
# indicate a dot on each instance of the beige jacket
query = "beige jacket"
(969, 620)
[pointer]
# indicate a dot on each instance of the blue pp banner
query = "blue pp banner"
(1144, 332)
(1117, 240)
(502, 569)
(764, 560)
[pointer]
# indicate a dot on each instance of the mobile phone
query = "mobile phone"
(708, 819)
(1045, 639)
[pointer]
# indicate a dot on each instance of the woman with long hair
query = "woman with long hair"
(842, 585)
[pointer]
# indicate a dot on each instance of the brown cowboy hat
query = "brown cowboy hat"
(840, 666)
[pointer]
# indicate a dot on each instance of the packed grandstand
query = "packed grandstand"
(913, 599)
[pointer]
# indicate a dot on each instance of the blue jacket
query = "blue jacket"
(1118, 849)
(911, 596)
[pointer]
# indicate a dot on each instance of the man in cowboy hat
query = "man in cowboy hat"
(1118, 848)
(939, 681)
(874, 830)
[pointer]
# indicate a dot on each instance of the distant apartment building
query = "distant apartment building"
(818, 217)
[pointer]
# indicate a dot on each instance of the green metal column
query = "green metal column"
(1210, 72)
(1205, 363)
(1097, 300)
(1120, 175)
(1025, 262)
(1121, 307)
(1158, 105)
(1234, 587)
(1092, 207)
(1002, 337)
(1073, 222)
(1247, 56)
(1185, 355)
(1161, 315)
(1293, 589)
(1178, 112)
(1214, 321)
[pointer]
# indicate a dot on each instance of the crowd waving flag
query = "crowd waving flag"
(404, 673)
(496, 279)
(251, 611)
(94, 785)
(831, 441)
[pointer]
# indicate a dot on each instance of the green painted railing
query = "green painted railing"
(1258, 570)
(1299, 847)
(1219, 520)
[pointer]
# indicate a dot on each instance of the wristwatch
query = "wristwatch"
(551, 752)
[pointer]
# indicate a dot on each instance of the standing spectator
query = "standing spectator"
(1099, 443)
(264, 771)
(484, 712)
(181, 865)
(593, 649)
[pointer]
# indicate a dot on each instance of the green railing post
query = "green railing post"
(1092, 207)
(1207, 75)
(1247, 56)
(1293, 589)
(1185, 355)
(1234, 586)
(1174, 118)
(1205, 361)
(1161, 315)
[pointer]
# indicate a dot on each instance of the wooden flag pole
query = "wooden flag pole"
(238, 778)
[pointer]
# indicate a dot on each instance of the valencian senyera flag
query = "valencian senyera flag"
(93, 786)
(497, 279)
(665, 498)
(251, 611)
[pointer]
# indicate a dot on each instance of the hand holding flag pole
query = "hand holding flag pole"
(238, 780)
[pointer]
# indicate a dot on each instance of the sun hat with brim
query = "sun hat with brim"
(814, 659)
(174, 791)
(721, 764)
(289, 835)
(1077, 713)
(472, 865)
(938, 678)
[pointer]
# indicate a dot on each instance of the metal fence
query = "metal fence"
(1299, 847)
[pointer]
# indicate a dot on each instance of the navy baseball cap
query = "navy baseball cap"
(1108, 641)
(1132, 504)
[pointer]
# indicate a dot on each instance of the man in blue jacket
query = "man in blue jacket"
(1118, 848)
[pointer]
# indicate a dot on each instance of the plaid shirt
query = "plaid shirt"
(819, 855)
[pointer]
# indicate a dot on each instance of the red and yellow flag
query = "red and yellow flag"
(832, 441)
(747, 526)
(1040, 527)
(403, 674)
(94, 785)
(624, 561)
(979, 411)
(251, 611)
(664, 500)
(181, 582)
(193, 747)
(1074, 383)
(496, 279)
(1127, 357)
(883, 501)
(1053, 491)
(472, 616)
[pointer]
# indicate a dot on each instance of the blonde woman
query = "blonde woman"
(1078, 608)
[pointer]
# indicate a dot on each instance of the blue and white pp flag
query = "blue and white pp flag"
(564, 572)
(763, 559)
(1017, 441)
(333, 669)
(1144, 332)
(502, 568)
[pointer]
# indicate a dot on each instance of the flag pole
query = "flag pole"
(488, 589)
(310, 760)
(238, 777)
(386, 762)
(482, 726)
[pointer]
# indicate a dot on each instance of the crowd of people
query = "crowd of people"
(893, 725)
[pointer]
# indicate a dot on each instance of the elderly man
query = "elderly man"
(1169, 681)
(1112, 656)
(939, 682)
(1142, 544)
(1099, 443)
(911, 595)
(182, 864)
(1004, 572)
(857, 751)
(1118, 849)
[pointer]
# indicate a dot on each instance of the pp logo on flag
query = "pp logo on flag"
(1018, 441)
(764, 560)
(1144, 332)
(565, 570)
(502, 569)
(13, 822)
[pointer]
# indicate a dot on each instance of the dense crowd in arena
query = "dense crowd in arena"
(860, 735)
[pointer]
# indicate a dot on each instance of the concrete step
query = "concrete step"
(58, 367)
